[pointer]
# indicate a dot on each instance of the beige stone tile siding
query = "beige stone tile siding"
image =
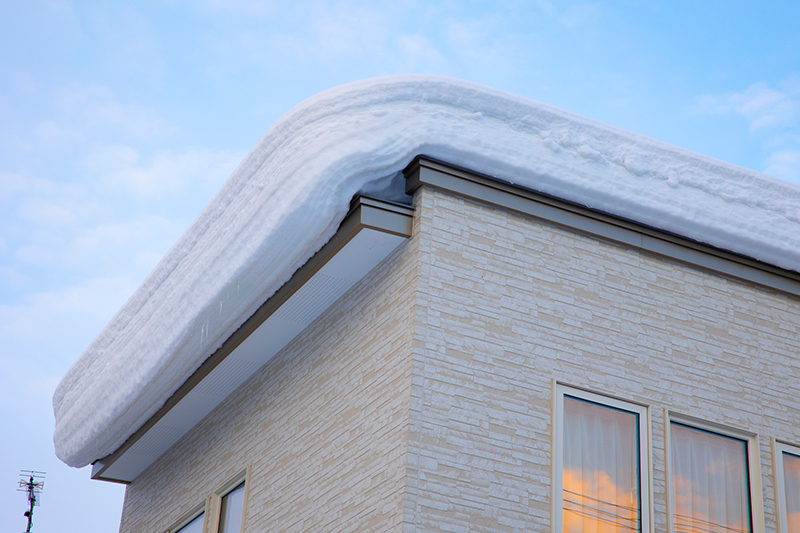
(323, 426)
(508, 304)
(422, 400)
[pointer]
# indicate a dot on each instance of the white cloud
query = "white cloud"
(25, 381)
(10, 184)
(111, 246)
(50, 132)
(36, 202)
(762, 106)
(51, 211)
(487, 41)
(791, 85)
(784, 164)
(118, 220)
(121, 168)
(85, 112)
(116, 208)
(418, 52)
(347, 31)
(482, 47)
(772, 114)
(46, 324)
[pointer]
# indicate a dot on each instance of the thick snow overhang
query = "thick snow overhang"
(371, 231)
(289, 195)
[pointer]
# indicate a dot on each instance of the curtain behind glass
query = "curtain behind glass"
(791, 482)
(230, 513)
(601, 469)
(710, 490)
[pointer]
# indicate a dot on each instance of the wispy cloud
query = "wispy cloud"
(87, 226)
(761, 105)
(122, 168)
(482, 41)
(95, 186)
(417, 50)
(82, 113)
(784, 164)
(773, 116)
(39, 329)
(103, 198)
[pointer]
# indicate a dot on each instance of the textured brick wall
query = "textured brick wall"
(422, 401)
(323, 426)
(507, 305)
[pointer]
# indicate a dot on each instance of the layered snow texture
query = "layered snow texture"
(293, 189)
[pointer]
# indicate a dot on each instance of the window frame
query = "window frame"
(753, 459)
(780, 447)
(190, 515)
(645, 451)
(220, 493)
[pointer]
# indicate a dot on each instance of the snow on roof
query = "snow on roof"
(289, 194)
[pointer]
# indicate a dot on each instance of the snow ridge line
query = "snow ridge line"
(288, 196)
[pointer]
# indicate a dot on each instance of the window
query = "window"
(195, 526)
(601, 478)
(230, 513)
(191, 522)
(230, 504)
(787, 472)
(714, 486)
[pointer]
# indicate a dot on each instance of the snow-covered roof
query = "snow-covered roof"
(292, 190)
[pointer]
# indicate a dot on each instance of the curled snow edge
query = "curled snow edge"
(293, 189)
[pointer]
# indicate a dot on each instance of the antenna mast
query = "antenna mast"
(33, 489)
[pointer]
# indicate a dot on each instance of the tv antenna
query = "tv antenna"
(32, 487)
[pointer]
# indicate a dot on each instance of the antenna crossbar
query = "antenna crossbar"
(32, 484)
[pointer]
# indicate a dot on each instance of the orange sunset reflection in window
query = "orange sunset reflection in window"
(601, 474)
(791, 482)
(710, 492)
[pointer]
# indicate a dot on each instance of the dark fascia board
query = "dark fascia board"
(424, 171)
(388, 217)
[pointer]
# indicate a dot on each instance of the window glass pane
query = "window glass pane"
(710, 490)
(791, 482)
(195, 526)
(230, 516)
(601, 469)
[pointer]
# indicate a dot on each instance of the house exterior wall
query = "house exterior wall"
(423, 400)
(323, 425)
(506, 305)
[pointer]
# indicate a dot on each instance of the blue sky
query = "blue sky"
(119, 121)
